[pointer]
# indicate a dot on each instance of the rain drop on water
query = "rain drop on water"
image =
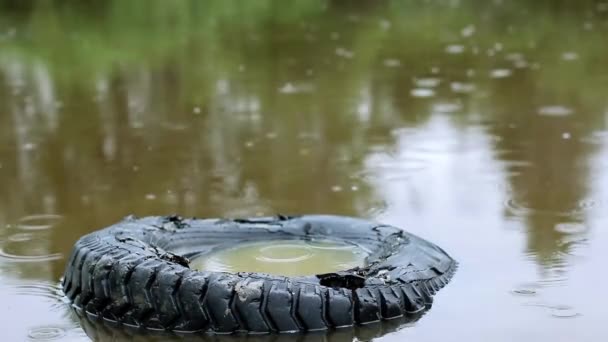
(422, 92)
(428, 82)
(454, 49)
(569, 56)
(463, 88)
(392, 63)
(468, 31)
(46, 333)
(446, 107)
(500, 73)
(554, 111)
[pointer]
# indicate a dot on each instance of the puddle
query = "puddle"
(283, 257)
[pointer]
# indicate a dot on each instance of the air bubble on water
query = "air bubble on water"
(354, 188)
(334, 36)
(249, 144)
(500, 73)
(455, 49)
(271, 135)
(498, 47)
(336, 188)
(435, 70)
(392, 63)
(196, 110)
(569, 56)
(566, 135)
(422, 92)
(468, 31)
(342, 52)
(555, 110)
(150, 197)
(470, 73)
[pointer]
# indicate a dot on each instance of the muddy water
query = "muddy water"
(481, 126)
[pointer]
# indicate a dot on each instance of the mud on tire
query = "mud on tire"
(136, 273)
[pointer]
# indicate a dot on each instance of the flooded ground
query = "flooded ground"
(479, 125)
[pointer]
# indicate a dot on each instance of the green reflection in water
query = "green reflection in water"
(284, 257)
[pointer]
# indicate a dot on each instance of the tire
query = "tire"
(136, 273)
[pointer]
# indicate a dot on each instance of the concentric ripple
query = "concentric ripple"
(29, 258)
(519, 208)
(48, 292)
(284, 257)
(48, 333)
(39, 221)
(285, 252)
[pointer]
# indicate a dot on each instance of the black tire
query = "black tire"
(136, 273)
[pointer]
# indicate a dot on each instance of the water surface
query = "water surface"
(479, 125)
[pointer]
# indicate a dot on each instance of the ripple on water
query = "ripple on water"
(422, 92)
(29, 258)
(519, 208)
(454, 49)
(447, 107)
(563, 311)
(19, 237)
(397, 169)
(597, 137)
(462, 88)
(500, 73)
(526, 289)
(555, 111)
(51, 293)
(571, 228)
(427, 82)
(47, 333)
(39, 221)
(557, 310)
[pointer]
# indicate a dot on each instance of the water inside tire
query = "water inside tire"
(283, 257)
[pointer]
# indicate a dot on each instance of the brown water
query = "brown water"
(479, 125)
